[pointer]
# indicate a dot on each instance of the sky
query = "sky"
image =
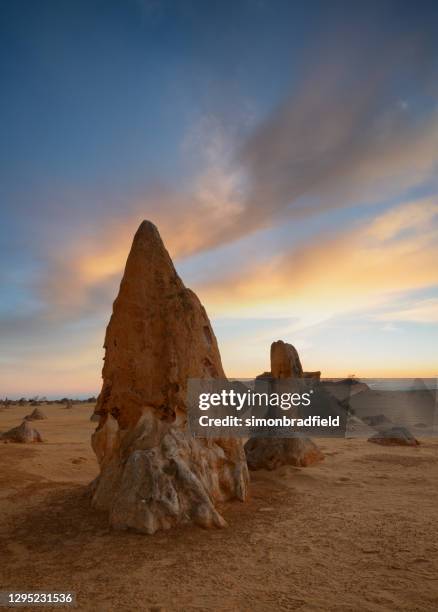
(287, 152)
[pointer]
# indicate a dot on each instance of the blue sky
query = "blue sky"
(287, 152)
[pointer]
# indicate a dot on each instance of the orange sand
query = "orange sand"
(356, 532)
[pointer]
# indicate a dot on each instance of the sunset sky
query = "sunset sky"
(287, 152)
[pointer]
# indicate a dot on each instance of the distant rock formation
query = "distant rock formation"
(270, 453)
(23, 434)
(313, 375)
(285, 362)
(395, 436)
(36, 415)
(345, 388)
(153, 475)
(265, 376)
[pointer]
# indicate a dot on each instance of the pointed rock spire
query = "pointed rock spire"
(36, 415)
(153, 475)
(159, 335)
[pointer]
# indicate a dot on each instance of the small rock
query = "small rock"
(36, 415)
(395, 436)
(23, 434)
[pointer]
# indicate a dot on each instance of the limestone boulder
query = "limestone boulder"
(36, 415)
(394, 436)
(23, 434)
(153, 475)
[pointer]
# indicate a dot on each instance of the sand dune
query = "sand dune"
(356, 532)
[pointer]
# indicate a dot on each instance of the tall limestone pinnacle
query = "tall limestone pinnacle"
(153, 474)
(159, 336)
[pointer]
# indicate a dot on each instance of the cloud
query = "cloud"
(363, 270)
(339, 138)
(355, 270)
(423, 311)
(194, 219)
(415, 216)
(359, 125)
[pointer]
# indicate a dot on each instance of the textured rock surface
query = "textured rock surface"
(395, 436)
(285, 362)
(153, 475)
(36, 415)
(24, 434)
(272, 453)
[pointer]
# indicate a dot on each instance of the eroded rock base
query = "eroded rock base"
(148, 486)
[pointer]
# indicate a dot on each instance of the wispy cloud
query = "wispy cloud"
(340, 138)
(358, 126)
(422, 311)
(349, 271)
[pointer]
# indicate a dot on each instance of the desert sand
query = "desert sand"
(355, 532)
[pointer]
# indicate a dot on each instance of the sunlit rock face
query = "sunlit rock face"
(285, 362)
(153, 475)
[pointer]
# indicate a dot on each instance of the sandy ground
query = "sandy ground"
(357, 532)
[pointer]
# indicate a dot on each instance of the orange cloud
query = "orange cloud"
(424, 311)
(338, 140)
(358, 270)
